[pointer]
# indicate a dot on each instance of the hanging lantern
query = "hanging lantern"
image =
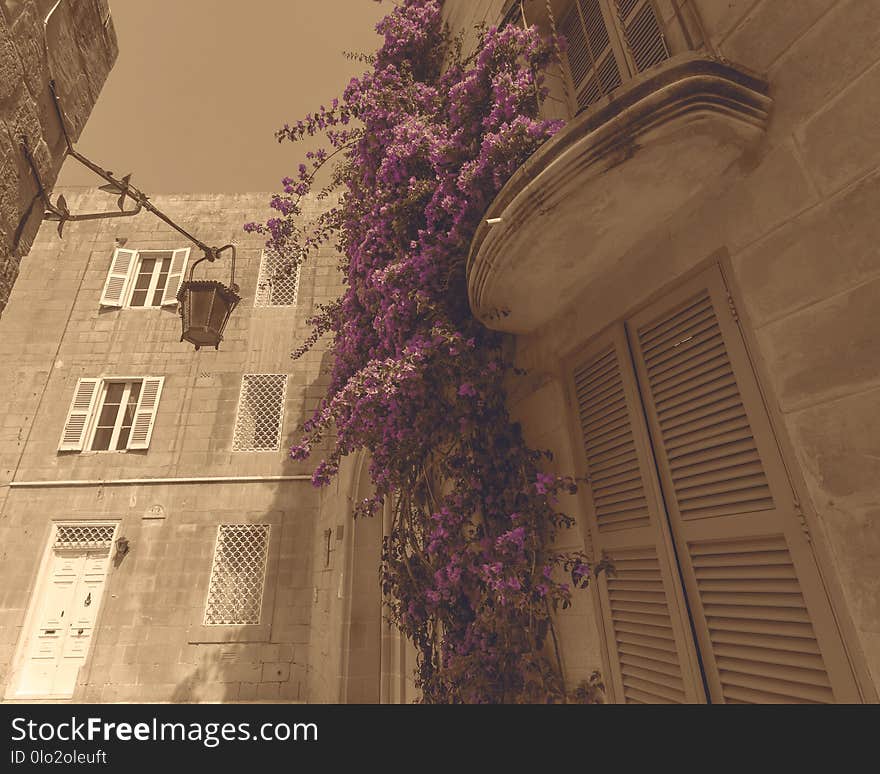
(205, 307)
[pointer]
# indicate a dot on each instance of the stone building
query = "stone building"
(74, 44)
(691, 274)
(157, 542)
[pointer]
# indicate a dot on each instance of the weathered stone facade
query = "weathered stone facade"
(73, 43)
(149, 642)
(747, 156)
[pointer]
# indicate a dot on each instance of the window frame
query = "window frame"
(138, 263)
(130, 276)
(200, 633)
(263, 298)
(118, 423)
(238, 446)
(263, 574)
(83, 418)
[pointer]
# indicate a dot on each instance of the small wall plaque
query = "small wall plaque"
(154, 512)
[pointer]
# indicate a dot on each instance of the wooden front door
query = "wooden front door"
(65, 611)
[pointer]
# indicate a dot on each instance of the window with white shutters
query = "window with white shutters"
(260, 412)
(238, 572)
(278, 281)
(690, 498)
(144, 278)
(112, 414)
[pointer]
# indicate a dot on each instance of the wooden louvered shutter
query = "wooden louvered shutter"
(650, 645)
(592, 65)
(515, 16)
(145, 414)
(175, 276)
(642, 33)
(79, 414)
(764, 624)
(121, 266)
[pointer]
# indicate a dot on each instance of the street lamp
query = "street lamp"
(205, 305)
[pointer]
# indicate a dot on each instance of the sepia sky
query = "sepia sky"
(200, 86)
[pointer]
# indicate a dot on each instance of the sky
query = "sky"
(200, 86)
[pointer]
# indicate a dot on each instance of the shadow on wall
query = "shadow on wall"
(275, 666)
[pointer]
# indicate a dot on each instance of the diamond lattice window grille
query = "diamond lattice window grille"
(260, 411)
(79, 536)
(235, 593)
(278, 281)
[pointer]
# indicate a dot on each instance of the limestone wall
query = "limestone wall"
(149, 642)
(73, 43)
(796, 220)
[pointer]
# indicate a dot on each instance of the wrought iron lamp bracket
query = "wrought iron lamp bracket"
(122, 186)
(60, 211)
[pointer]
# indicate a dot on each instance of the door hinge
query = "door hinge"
(798, 511)
(732, 306)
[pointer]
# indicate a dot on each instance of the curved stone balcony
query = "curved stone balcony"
(605, 182)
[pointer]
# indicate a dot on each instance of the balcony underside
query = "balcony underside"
(606, 182)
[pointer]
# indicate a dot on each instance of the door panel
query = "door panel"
(649, 637)
(64, 622)
(82, 622)
(765, 628)
(54, 612)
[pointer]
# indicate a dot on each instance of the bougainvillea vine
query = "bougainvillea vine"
(418, 147)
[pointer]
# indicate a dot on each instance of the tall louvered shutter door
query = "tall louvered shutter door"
(650, 646)
(763, 621)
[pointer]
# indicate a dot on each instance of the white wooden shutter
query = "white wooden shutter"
(592, 65)
(79, 414)
(650, 646)
(175, 276)
(642, 33)
(764, 623)
(121, 267)
(145, 414)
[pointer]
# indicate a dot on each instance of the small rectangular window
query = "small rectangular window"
(260, 412)
(278, 280)
(235, 591)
